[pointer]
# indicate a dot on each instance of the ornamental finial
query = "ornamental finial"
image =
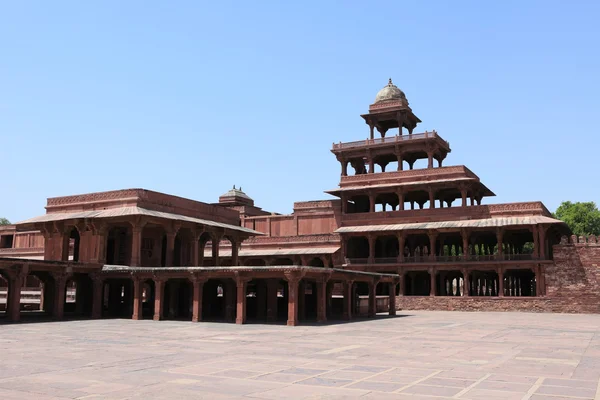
(233, 187)
(390, 81)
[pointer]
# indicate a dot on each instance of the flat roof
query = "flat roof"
(129, 211)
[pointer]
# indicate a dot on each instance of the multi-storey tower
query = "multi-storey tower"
(428, 224)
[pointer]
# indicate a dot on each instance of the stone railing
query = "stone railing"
(387, 140)
(424, 173)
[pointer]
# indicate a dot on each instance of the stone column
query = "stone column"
(465, 243)
(198, 288)
(432, 240)
(401, 245)
(235, 252)
(536, 242)
(466, 286)
(371, 129)
(500, 272)
(344, 167)
(400, 200)
(241, 284)
(13, 297)
(159, 291)
(216, 239)
(137, 298)
(431, 198)
(170, 248)
(429, 160)
(499, 238)
(347, 310)
(463, 195)
(195, 247)
(372, 240)
(322, 300)
(392, 300)
(293, 282)
(372, 299)
(97, 300)
(432, 281)
(400, 166)
(272, 286)
(371, 202)
(60, 282)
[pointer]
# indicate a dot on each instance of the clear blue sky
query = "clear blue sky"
(191, 97)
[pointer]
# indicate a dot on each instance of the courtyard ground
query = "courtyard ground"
(412, 356)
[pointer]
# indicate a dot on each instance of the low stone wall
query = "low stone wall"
(572, 285)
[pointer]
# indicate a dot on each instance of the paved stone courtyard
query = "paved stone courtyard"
(416, 355)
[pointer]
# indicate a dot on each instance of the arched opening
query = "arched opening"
(417, 283)
(519, 283)
(79, 296)
(518, 244)
(154, 246)
(226, 261)
(282, 261)
(148, 296)
(359, 166)
(177, 301)
(316, 262)
(117, 299)
(74, 243)
(357, 249)
(483, 283)
(204, 251)
(416, 247)
(219, 300)
(386, 202)
(358, 204)
(386, 249)
(416, 199)
(118, 246)
(449, 283)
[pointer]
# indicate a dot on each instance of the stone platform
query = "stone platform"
(415, 355)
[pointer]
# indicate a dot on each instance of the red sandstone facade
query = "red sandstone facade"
(420, 234)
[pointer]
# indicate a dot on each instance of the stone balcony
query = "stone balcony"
(369, 143)
(441, 259)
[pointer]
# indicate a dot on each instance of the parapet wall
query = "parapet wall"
(572, 285)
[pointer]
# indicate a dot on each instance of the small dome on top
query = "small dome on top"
(390, 92)
(236, 193)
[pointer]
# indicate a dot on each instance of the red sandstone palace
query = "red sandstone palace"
(395, 238)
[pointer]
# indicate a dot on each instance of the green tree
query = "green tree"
(4, 221)
(583, 218)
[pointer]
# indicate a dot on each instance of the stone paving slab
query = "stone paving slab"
(418, 355)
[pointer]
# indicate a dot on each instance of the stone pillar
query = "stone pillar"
(466, 286)
(431, 198)
(371, 129)
(371, 165)
(137, 298)
(13, 306)
(241, 285)
(400, 201)
(159, 291)
(97, 296)
(372, 299)
(463, 195)
(216, 239)
(432, 240)
(400, 166)
(401, 245)
(272, 286)
(372, 240)
(322, 300)
(465, 243)
(293, 282)
(542, 242)
(170, 248)
(235, 252)
(429, 160)
(198, 287)
(347, 310)
(344, 167)
(499, 237)
(500, 272)
(60, 282)
(392, 300)
(432, 282)
(371, 202)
